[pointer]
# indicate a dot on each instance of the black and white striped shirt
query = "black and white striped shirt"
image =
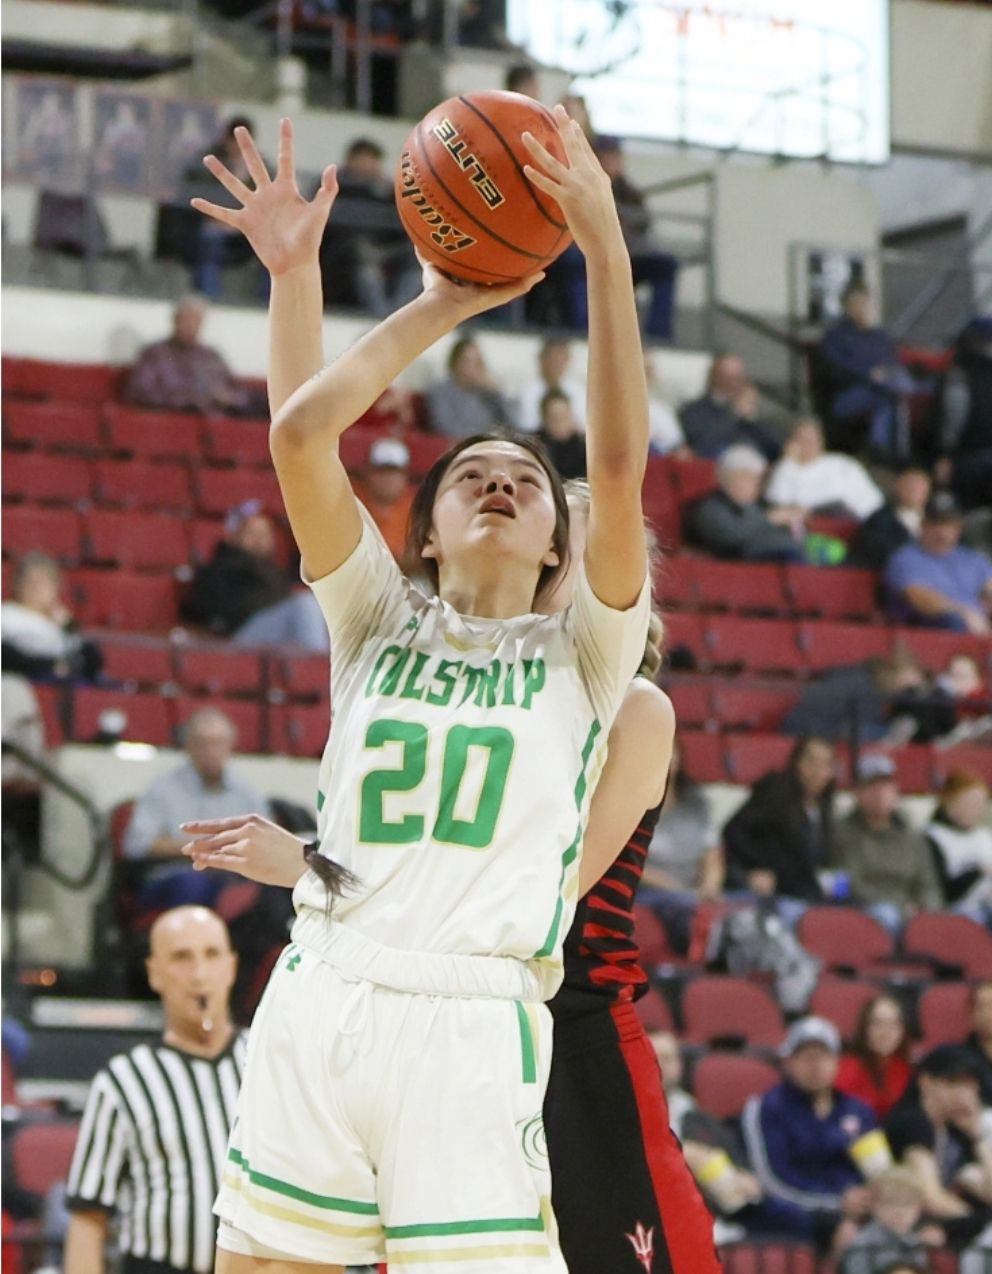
(152, 1146)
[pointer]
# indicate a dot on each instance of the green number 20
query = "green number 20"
(474, 833)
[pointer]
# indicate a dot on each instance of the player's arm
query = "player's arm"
(86, 1242)
(633, 778)
(248, 844)
(617, 432)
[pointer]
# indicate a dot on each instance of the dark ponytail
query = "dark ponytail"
(336, 879)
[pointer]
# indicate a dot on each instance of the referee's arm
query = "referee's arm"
(86, 1243)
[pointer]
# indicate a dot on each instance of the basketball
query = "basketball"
(462, 194)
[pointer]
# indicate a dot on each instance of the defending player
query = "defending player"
(399, 1057)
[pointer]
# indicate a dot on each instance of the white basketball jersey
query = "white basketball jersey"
(463, 752)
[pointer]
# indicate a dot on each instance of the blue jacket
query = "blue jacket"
(848, 352)
(802, 1161)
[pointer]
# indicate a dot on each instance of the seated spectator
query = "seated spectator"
(218, 246)
(860, 364)
(876, 1069)
(811, 1146)
(40, 638)
(244, 592)
(667, 438)
(468, 402)
(732, 523)
(966, 417)
(203, 786)
(886, 860)
(781, 836)
(385, 490)
(896, 1231)
(553, 363)
(896, 523)
(937, 583)
(962, 682)
(685, 853)
(563, 439)
(810, 478)
(726, 414)
(366, 257)
(979, 1042)
(961, 840)
(183, 374)
(940, 1131)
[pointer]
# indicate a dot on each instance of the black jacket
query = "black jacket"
(877, 538)
(231, 587)
(773, 832)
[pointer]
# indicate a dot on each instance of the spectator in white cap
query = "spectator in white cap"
(385, 490)
(888, 862)
(732, 522)
(811, 1146)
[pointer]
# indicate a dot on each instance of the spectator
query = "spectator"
(980, 1039)
(961, 840)
(183, 374)
(203, 786)
(468, 402)
(887, 861)
(783, 833)
(553, 362)
(386, 492)
(962, 682)
(561, 435)
(811, 1145)
(218, 246)
(937, 583)
(244, 592)
(876, 1070)
(966, 417)
(732, 523)
(667, 438)
(940, 1131)
(896, 523)
(366, 256)
(522, 78)
(726, 414)
(685, 853)
(860, 364)
(153, 1139)
(810, 478)
(41, 640)
(896, 1231)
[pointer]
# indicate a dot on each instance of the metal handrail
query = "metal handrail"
(936, 286)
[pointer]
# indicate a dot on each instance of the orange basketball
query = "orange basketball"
(462, 194)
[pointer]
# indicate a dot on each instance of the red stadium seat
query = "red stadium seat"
(28, 528)
(240, 442)
(718, 1008)
(41, 1154)
(702, 756)
(75, 382)
(654, 1011)
(674, 582)
(137, 661)
(749, 756)
(662, 513)
(205, 534)
(844, 938)
(424, 449)
(950, 941)
(119, 599)
(835, 592)
(723, 1082)
(914, 766)
(46, 479)
(976, 757)
(236, 899)
(134, 540)
(768, 1258)
(222, 670)
(830, 645)
(943, 1013)
(840, 1000)
(148, 717)
(143, 484)
(650, 936)
(757, 708)
(302, 676)
(154, 435)
(693, 478)
(935, 650)
(300, 729)
(220, 490)
(688, 631)
(51, 426)
(692, 702)
(52, 703)
(764, 645)
(740, 586)
(837, 528)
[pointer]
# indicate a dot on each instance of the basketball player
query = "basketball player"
(393, 1088)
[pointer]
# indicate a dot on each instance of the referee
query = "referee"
(154, 1134)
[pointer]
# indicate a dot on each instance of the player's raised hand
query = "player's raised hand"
(468, 299)
(248, 844)
(581, 188)
(283, 228)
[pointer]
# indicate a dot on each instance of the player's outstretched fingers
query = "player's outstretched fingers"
(234, 185)
(227, 216)
(253, 159)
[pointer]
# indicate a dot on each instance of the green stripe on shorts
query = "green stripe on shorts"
(294, 1192)
(497, 1224)
(528, 1059)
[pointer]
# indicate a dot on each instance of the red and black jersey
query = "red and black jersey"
(602, 960)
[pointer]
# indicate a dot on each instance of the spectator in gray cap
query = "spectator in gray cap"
(887, 861)
(732, 522)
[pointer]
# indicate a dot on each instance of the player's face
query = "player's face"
(495, 498)
(192, 967)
